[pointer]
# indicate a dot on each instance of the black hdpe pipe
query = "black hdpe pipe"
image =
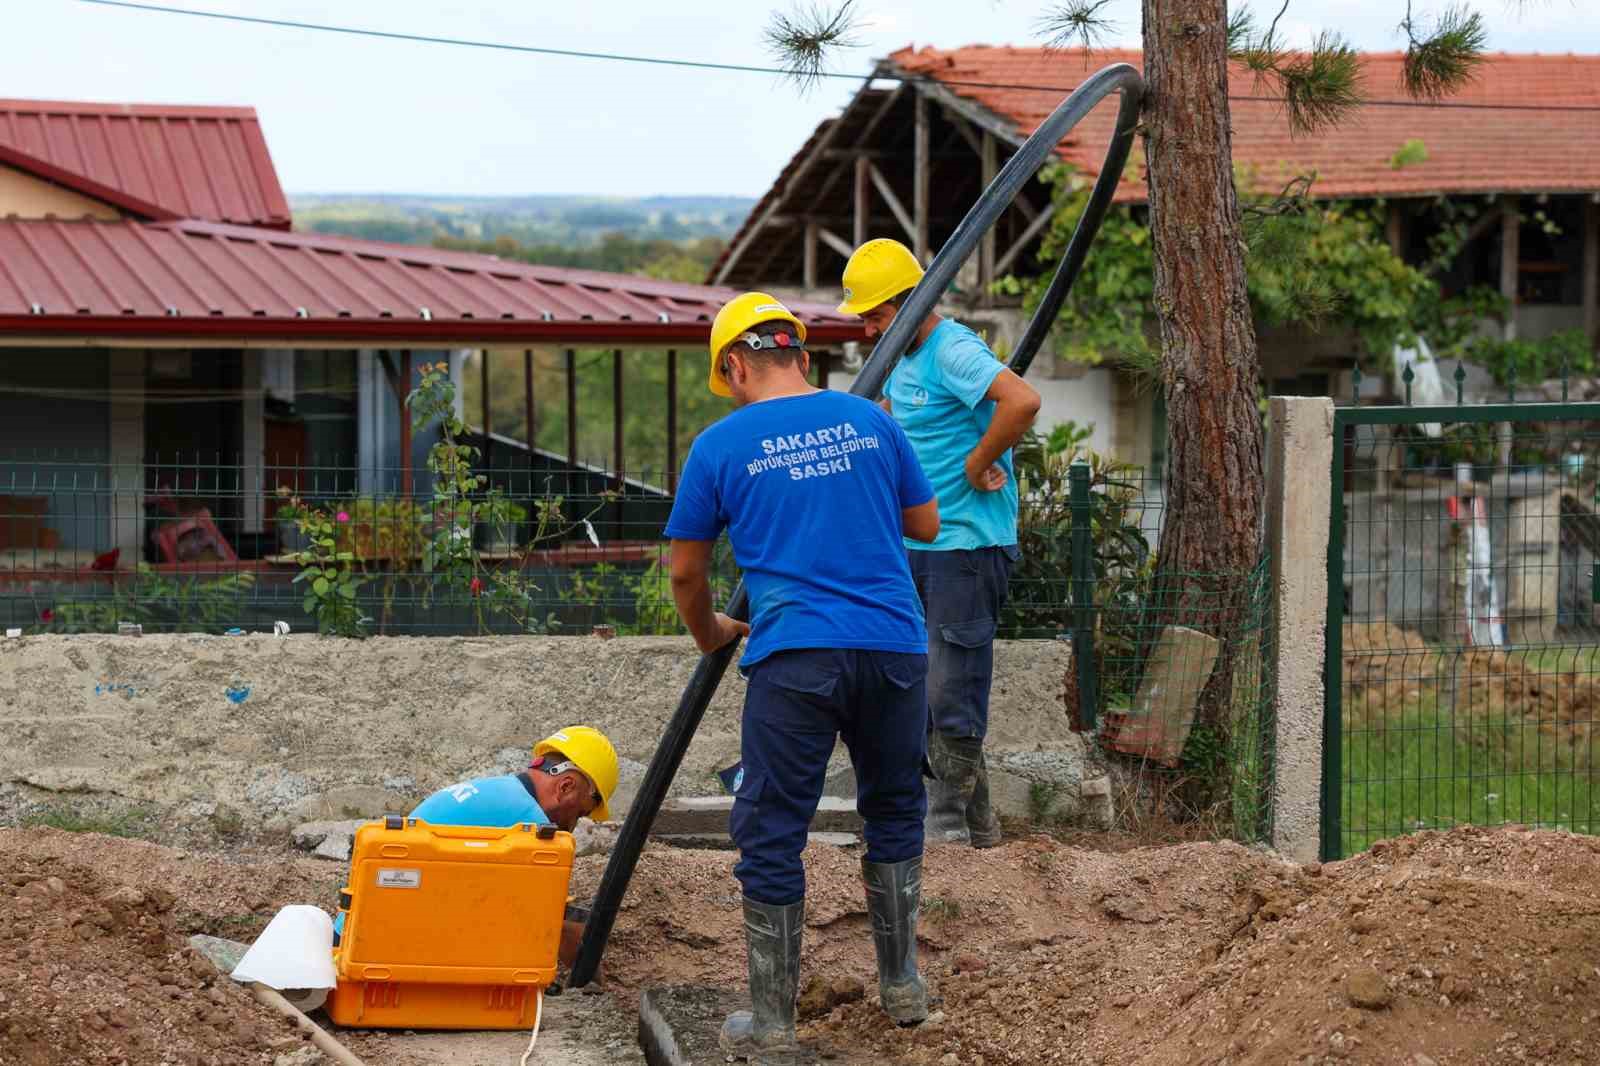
(896, 339)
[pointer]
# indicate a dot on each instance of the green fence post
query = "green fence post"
(1332, 844)
(1082, 595)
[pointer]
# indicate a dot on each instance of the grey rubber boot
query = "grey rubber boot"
(772, 939)
(894, 897)
(955, 762)
(982, 825)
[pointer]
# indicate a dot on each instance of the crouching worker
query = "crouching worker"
(573, 775)
(815, 489)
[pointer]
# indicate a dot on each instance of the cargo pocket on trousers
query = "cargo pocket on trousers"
(958, 683)
(790, 690)
(978, 633)
(745, 818)
(904, 671)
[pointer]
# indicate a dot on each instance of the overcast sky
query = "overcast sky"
(352, 114)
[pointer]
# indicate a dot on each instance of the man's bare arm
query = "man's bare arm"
(1016, 405)
(691, 592)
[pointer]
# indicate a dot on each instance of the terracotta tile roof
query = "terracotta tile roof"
(154, 161)
(1469, 150)
(190, 279)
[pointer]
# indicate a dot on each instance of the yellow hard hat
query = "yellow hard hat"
(736, 317)
(588, 749)
(878, 270)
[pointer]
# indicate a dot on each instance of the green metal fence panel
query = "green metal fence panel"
(1463, 650)
(81, 544)
(1083, 624)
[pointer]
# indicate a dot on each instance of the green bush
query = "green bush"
(178, 605)
(1038, 601)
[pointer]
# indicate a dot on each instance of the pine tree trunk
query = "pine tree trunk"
(1209, 363)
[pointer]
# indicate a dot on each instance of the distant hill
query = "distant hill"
(568, 221)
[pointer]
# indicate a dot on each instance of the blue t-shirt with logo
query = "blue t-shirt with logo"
(936, 392)
(810, 489)
(499, 802)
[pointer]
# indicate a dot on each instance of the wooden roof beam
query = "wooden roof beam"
(881, 183)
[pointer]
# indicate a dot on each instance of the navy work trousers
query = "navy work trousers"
(962, 592)
(796, 703)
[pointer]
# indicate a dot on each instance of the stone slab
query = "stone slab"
(723, 842)
(1157, 725)
(708, 815)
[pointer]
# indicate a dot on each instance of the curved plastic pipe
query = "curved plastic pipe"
(896, 339)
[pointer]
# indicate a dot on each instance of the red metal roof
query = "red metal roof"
(1469, 150)
(197, 280)
(156, 162)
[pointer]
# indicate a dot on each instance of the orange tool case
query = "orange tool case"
(449, 927)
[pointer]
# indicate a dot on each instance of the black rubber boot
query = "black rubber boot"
(982, 826)
(950, 793)
(772, 938)
(894, 896)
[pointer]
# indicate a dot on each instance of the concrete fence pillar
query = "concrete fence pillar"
(1300, 462)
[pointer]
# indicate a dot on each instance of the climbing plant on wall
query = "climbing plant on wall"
(1321, 264)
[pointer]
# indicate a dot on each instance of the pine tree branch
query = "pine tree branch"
(1322, 87)
(1441, 62)
(803, 42)
(1241, 32)
(1075, 23)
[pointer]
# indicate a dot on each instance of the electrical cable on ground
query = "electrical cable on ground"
(741, 68)
(538, 1013)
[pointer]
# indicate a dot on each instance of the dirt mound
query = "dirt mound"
(1384, 666)
(1472, 946)
(93, 972)
(1468, 946)
(1388, 671)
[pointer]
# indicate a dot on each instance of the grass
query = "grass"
(1427, 766)
(135, 822)
(1042, 797)
(940, 908)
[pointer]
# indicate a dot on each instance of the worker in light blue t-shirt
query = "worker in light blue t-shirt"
(815, 490)
(573, 775)
(963, 411)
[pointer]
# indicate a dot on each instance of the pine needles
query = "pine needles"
(804, 40)
(1439, 63)
(1075, 23)
(1320, 88)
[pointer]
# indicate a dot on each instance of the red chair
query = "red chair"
(193, 539)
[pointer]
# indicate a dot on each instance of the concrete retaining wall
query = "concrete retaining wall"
(284, 730)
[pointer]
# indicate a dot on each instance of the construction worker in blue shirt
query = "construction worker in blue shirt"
(963, 411)
(815, 490)
(573, 774)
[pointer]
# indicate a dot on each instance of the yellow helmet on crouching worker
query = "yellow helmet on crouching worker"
(588, 749)
(879, 270)
(737, 317)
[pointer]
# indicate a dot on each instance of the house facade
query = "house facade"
(907, 158)
(168, 343)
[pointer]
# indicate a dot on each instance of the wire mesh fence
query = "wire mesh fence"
(191, 543)
(1464, 684)
(1185, 685)
(1171, 669)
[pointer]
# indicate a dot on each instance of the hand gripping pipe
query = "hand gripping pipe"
(895, 340)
